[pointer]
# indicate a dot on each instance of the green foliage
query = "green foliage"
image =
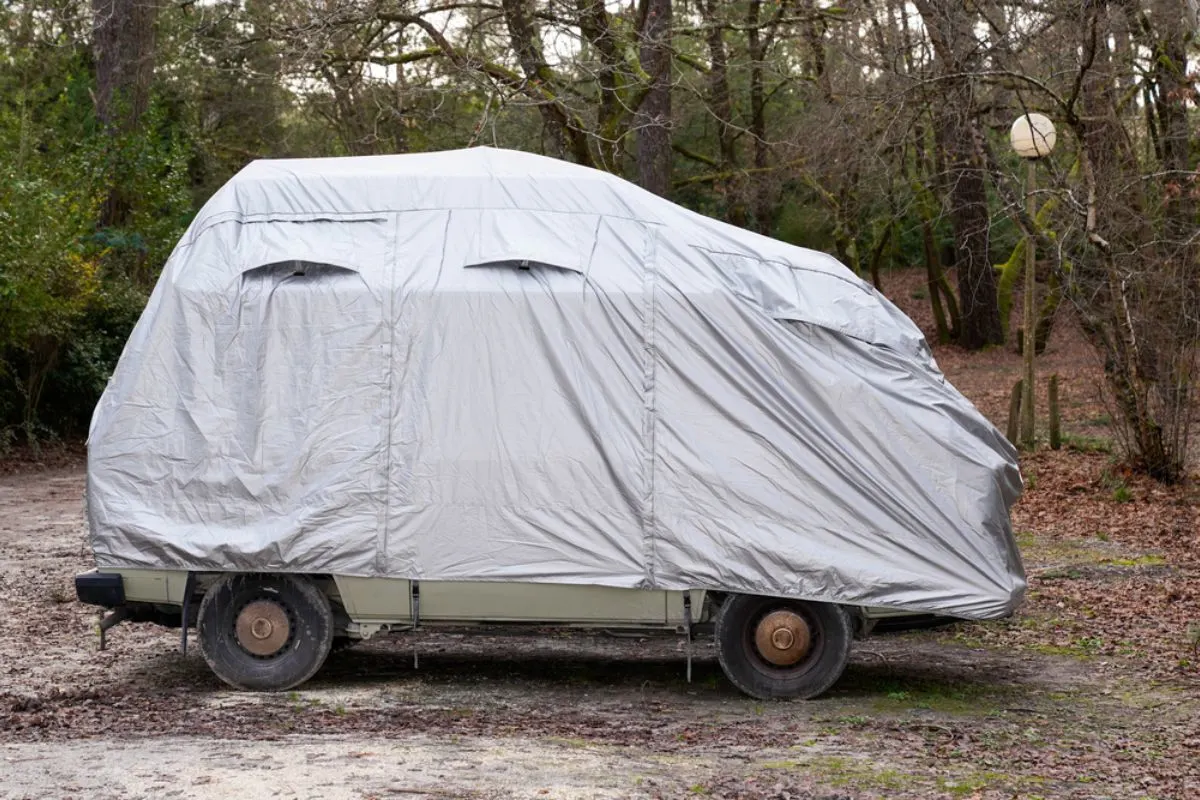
(47, 205)
(779, 123)
(804, 225)
(73, 387)
(1116, 484)
(69, 292)
(48, 272)
(1087, 444)
(48, 275)
(151, 167)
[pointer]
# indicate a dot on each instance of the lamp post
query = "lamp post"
(1032, 137)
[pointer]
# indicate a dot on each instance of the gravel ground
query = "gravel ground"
(564, 715)
(336, 767)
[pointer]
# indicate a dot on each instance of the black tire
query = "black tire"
(818, 666)
(297, 648)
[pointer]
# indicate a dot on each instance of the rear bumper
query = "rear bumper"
(105, 589)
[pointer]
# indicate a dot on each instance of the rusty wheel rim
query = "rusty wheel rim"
(783, 638)
(263, 628)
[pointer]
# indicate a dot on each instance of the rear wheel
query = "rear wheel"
(265, 632)
(771, 647)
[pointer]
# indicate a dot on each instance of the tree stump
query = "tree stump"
(1014, 413)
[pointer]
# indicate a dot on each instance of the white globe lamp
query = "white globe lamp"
(1032, 136)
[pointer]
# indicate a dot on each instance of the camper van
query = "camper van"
(382, 393)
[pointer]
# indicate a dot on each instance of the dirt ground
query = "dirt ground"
(1091, 691)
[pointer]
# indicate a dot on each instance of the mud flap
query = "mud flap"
(189, 588)
(118, 615)
(687, 630)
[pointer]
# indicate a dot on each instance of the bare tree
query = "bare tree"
(1137, 280)
(563, 133)
(883, 120)
(1123, 226)
(950, 28)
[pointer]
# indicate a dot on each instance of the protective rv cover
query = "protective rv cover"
(489, 365)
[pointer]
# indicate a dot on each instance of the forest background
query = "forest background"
(876, 130)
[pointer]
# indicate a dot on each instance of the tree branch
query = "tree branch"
(713, 177)
(694, 156)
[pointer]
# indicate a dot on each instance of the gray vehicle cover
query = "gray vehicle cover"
(490, 365)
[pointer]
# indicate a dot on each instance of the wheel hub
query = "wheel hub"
(263, 628)
(782, 637)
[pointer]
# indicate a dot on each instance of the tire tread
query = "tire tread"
(315, 618)
(736, 610)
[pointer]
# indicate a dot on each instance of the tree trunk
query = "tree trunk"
(932, 274)
(612, 115)
(721, 104)
(562, 137)
(1012, 269)
(972, 223)
(935, 273)
(1055, 416)
(1045, 318)
(356, 134)
(758, 114)
(951, 33)
(881, 243)
(123, 46)
(718, 85)
(653, 119)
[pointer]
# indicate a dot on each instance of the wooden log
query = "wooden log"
(1055, 420)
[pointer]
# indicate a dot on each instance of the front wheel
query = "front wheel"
(265, 632)
(770, 647)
